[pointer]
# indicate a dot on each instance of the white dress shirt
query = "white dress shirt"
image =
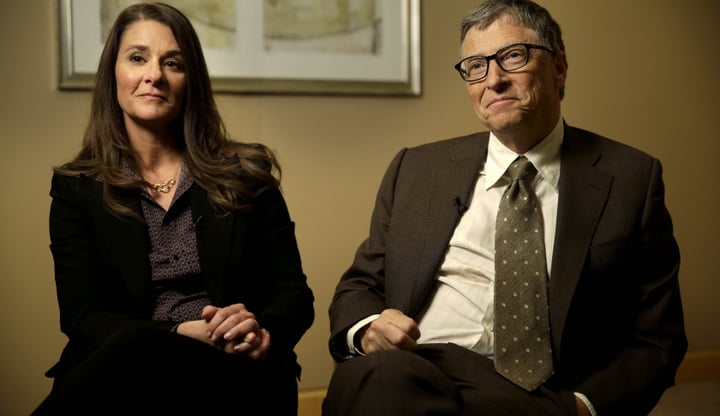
(461, 309)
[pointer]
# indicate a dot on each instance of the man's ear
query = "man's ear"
(561, 68)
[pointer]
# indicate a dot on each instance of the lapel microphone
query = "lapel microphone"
(461, 208)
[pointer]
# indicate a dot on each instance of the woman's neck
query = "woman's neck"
(154, 149)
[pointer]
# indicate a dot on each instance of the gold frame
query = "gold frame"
(73, 78)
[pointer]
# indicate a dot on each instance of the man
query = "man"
(417, 320)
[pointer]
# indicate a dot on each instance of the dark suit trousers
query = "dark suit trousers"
(160, 372)
(435, 379)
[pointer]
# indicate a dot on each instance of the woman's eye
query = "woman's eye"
(176, 65)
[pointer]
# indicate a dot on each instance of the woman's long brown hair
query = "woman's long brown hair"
(231, 172)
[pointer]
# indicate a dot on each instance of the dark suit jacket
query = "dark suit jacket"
(615, 310)
(102, 270)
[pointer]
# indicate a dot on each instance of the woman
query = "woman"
(178, 275)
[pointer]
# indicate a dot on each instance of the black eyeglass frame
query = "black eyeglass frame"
(493, 57)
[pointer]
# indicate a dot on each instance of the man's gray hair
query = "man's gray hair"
(528, 13)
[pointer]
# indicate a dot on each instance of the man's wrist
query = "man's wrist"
(353, 342)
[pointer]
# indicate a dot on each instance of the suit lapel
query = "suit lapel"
(583, 192)
(453, 182)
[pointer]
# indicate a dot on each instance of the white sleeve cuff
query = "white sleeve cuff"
(585, 400)
(350, 340)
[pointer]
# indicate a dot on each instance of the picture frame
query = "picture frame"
(254, 61)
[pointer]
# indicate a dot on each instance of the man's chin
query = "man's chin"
(505, 122)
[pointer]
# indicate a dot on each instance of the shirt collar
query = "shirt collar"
(545, 156)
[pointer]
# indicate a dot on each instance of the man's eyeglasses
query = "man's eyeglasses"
(510, 58)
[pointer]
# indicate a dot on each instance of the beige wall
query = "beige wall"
(643, 72)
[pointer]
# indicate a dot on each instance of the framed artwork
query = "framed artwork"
(353, 47)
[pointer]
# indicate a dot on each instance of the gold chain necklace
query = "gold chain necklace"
(166, 186)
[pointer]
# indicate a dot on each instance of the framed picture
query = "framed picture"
(354, 47)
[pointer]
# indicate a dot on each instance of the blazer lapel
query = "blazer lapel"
(583, 192)
(213, 233)
(129, 241)
(451, 191)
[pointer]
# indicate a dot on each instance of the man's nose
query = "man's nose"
(496, 75)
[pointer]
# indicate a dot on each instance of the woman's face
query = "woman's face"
(150, 74)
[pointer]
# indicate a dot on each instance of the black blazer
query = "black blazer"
(102, 270)
(615, 311)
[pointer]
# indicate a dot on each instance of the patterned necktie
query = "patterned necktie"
(522, 331)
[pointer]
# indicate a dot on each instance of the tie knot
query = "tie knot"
(522, 168)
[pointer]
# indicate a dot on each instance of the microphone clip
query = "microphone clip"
(461, 208)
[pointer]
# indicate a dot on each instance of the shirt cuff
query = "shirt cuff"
(585, 400)
(350, 337)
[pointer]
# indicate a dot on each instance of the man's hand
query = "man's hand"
(392, 330)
